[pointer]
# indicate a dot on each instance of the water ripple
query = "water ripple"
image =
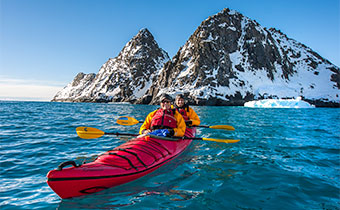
(286, 159)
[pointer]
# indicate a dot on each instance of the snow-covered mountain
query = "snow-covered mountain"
(231, 59)
(126, 77)
(228, 60)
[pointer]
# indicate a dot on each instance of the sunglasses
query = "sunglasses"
(165, 101)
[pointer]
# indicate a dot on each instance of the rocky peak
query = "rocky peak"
(140, 45)
(128, 76)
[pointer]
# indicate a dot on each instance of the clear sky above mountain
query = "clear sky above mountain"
(45, 43)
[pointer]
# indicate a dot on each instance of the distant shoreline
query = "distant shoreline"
(333, 105)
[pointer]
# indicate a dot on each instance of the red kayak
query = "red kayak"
(127, 162)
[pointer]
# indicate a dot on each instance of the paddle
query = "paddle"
(92, 133)
(125, 120)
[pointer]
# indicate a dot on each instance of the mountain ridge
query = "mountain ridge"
(228, 60)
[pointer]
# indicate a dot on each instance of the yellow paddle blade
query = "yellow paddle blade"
(222, 140)
(223, 127)
(125, 120)
(89, 133)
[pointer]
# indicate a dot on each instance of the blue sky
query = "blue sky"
(45, 43)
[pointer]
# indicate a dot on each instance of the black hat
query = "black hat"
(165, 96)
(180, 96)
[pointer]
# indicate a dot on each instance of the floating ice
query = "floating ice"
(279, 103)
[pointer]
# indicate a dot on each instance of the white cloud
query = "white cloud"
(28, 90)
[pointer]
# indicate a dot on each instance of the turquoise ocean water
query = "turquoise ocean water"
(286, 159)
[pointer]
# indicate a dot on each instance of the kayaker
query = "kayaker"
(164, 118)
(189, 115)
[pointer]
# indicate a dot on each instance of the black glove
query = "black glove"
(188, 122)
(171, 133)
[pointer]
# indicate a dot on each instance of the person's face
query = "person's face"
(165, 104)
(180, 102)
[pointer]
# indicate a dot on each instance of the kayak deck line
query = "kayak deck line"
(157, 143)
(125, 158)
(134, 154)
(152, 148)
(141, 150)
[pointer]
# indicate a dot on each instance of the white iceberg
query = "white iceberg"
(279, 103)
